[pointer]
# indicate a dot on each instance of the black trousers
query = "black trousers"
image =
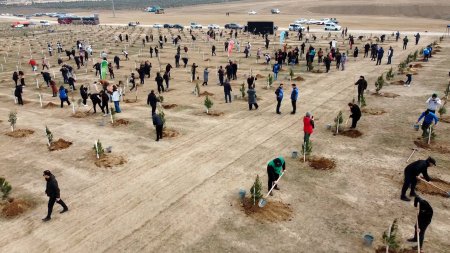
(354, 122)
(105, 106)
(153, 109)
(221, 80)
(227, 97)
(294, 105)
(159, 132)
(410, 181)
(250, 106)
(51, 203)
(64, 100)
(95, 103)
(278, 105)
(423, 225)
(360, 93)
(272, 177)
(389, 60)
(378, 61)
(19, 100)
(160, 88)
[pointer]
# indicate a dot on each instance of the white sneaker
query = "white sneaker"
(104, 115)
(409, 85)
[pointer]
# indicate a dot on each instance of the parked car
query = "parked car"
(296, 27)
(213, 26)
(196, 26)
(178, 26)
(314, 22)
(275, 11)
(160, 11)
(233, 26)
(252, 12)
(301, 21)
(132, 24)
(168, 26)
(158, 26)
(332, 27)
(44, 23)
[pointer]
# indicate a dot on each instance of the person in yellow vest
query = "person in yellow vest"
(274, 170)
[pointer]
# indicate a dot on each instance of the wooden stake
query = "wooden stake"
(96, 149)
(40, 99)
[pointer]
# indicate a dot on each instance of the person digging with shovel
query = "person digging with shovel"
(412, 171)
(423, 220)
(428, 118)
(274, 169)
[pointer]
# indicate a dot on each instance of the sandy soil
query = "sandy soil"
(181, 194)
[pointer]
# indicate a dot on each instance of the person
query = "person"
(205, 77)
(428, 118)
(327, 62)
(117, 61)
(390, 54)
(105, 99)
(213, 50)
(47, 78)
(193, 69)
(159, 82)
(44, 64)
(63, 96)
(294, 97)
(279, 95)
(252, 97)
(54, 88)
(111, 71)
(152, 101)
(22, 78)
(177, 60)
(405, 42)
(125, 53)
(397, 36)
(274, 170)
(33, 64)
(276, 69)
(15, 77)
(166, 78)
(116, 99)
(423, 220)
(412, 172)
(380, 54)
(355, 53)
(53, 192)
(433, 103)
(408, 80)
(227, 90)
(221, 74)
(151, 52)
(84, 94)
(159, 124)
(343, 61)
(18, 93)
(132, 80)
(417, 38)
(71, 82)
(362, 85)
(308, 126)
(356, 114)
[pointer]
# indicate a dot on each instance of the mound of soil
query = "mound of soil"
(59, 144)
(130, 101)
(207, 59)
(321, 163)
(386, 95)
(298, 78)
(215, 114)
(352, 133)
(20, 133)
(50, 105)
(434, 147)
(445, 119)
(109, 161)
(79, 115)
(205, 93)
(399, 82)
(382, 249)
(273, 211)
(170, 106)
(428, 189)
(120, 122)
(15, 207)
(259, 76)
(170, 133)
(317, 71)
(417, 65)
(373, 111)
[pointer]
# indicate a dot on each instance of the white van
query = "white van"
(296, 27)
(332, 27)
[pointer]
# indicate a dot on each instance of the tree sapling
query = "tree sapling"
(49, 135)
(12, 120)
(379, 83)
(98, 148)
(242, 90)
(390, 237)
(208, 104)
(255, 190)
(5, 188)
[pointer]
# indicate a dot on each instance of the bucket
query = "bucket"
(294, 154)
(242, 193)
(368, 240)
(108, 149)
(416, 127)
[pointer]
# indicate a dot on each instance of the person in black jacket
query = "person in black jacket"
(52, 191)
(356, 114)
(274, 169)
(15, 77)
(95, 98)
(362, 85)
(221, 74)
(152, 101)
(159, 82)
(132, 81)
(424, 219)
(159, 124)
(105, 100)
(84, 94)
(47, 78)
(227, 90)
(18, 93)
(117, 61)
(166, 79)
(412, 171)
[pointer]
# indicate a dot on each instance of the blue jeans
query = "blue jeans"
(275, 75)
(117, 107)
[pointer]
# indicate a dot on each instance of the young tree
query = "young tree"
(362, 101)
(307, 148)
(242, 90)
(197, 90)
(49, 135)
(442, 110)
(291, 73)
(162, 116)
(98, 148)
(338, 121)
(379, 83)
(12, 120)
(402, 67)
(208, 104)
(269, 81)
(256, 190)
(390, 74)
(5, 188)
(390, 237)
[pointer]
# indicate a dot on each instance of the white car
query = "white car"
(332, 27)
(213, 26)
(275, 11)
(196, 25)
(252, 12)
(158, 26)
(314, 22)
(296, 27)
(301, 21)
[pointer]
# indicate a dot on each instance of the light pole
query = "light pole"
(113, 9)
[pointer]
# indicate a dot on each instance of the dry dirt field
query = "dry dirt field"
(181, 194)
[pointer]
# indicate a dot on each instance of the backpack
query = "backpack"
(62, 93)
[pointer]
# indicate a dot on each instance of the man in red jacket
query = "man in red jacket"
(308, 126)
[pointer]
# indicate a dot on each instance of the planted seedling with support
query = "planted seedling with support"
(256, 190)
(98, 148)
(306, 149)
(390, 237)
(242, 90)
(379, 84)
(208, 104)
(338, 121)
(49, 135)
(12, 120)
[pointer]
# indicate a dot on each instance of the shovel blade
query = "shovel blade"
(262, 203)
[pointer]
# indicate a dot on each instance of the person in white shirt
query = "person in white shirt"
(433, 103)
(116, 99)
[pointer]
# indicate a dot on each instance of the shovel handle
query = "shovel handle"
(435, 186)
(273, 186)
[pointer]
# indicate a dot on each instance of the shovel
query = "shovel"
(262, 202)
(435, 186)
(413, 151)
(417, 228)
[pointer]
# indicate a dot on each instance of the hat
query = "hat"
(434, 95)
(277, 162)
(47, 173)
(431, 160)
(308, 114)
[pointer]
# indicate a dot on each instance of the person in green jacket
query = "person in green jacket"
(274, 170)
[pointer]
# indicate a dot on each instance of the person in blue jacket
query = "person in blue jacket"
(428, 118)
(279, 92)
(276, 69)
(294, 97)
